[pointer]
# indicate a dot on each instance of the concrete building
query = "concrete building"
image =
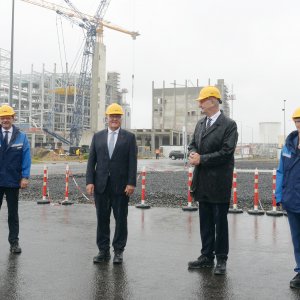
(116, 95)
(113, 93)
(175, 114)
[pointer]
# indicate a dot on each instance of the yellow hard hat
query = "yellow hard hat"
(296, 113)
(6, 110)
(114, 109)
(209, 91)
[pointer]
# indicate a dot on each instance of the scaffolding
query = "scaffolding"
(42, 99)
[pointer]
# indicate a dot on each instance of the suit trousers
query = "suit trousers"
(106, 202)
(12, 199)
(294, 221)
(214, 229)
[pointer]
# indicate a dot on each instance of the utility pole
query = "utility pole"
(284, 135)
(242, 154)
(11, 74)
(231, 97)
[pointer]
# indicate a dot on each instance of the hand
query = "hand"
(90, 189)
(194, 159)
(129, 190)
(24, 183)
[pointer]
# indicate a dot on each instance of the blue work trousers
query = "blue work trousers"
(294, 220)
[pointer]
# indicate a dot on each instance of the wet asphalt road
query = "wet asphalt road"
(59, 243)
(151, 165)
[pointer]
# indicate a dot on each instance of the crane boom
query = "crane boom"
(101, 10)
(94, 27)
(82, 16)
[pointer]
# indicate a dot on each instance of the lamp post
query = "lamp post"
(242, 156)
(284, 120)
(11, 74)
(184, 127)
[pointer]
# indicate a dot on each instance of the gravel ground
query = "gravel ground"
(167, 189)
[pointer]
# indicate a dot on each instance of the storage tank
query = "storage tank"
(269, 132)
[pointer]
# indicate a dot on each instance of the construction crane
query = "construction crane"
(94, 32)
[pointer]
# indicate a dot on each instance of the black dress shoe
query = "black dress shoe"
(118, 258)
(295, 282)
(102, 257)
(15, 248)
(202, 262)
(220, 267)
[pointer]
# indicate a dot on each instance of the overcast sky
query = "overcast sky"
(253, 45)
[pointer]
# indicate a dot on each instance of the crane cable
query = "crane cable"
(63, 40)
(78, 54)
(76, 59)
(133, 61)
(59, 48)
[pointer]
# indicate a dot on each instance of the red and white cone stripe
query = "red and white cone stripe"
(189, 187)
(143, 185)
(67, 183)
(273, 190)
(45, 181)
(256, 189)
(234, 187)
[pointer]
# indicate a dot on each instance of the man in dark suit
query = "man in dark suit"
(211, 151)
(111, 177)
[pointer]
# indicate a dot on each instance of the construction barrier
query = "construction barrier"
(67, 201)
(189, 207)
(142, 204)
(255, 210)
(235, 209)
(274, 212)
(44, 189)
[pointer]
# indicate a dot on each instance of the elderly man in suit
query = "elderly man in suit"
(111, 177)
(211, 152)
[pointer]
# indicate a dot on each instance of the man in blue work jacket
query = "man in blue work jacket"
(288, 189)
(15, 162)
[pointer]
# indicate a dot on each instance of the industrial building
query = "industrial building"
(45, 100)
(116, 95)
(175, 114)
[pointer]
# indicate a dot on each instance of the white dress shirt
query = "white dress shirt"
(213, 118)
(10, 130)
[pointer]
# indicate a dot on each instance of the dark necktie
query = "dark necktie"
(5, 139)
(208, 123)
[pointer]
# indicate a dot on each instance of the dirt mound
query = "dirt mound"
(41, 154)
